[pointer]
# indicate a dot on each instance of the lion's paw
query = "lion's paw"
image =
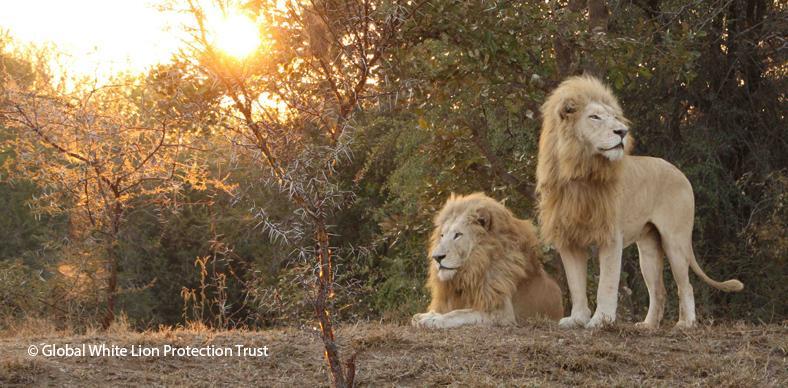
(599, 321)
(647, 325)
(427, 319)
(681, 325)
(420, 316)
(571, 322)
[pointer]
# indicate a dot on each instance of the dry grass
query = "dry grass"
(539, 354)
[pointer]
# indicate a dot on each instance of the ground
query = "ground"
(536, 354)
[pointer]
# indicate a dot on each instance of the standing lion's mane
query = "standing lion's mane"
(577, 188)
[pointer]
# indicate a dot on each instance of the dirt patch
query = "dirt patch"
(537, 354)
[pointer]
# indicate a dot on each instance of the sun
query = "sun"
(236, 35)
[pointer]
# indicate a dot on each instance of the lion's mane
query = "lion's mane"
(506, 254)
(577, 188)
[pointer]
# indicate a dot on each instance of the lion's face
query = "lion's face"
(452, 247)
(603, 129)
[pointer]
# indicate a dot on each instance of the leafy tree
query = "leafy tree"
(93, 151)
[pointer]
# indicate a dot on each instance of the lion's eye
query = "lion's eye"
(457, 235)
(595, 117)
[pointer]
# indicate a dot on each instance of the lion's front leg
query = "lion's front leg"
(575, 263)
(455, 318)
(609, 276)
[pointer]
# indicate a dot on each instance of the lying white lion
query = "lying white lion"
(485, 268)
(593, 193)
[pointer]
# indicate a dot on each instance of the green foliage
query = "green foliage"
(19, 290)
(455, 108)
(470, 66)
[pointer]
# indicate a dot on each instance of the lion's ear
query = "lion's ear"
(568, 107)
(484, 218)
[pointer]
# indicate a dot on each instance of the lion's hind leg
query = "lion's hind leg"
(651, 255)
(678, 250)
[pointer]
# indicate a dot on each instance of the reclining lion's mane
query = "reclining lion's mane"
(577, 189)
(483, 284)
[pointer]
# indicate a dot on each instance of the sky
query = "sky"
(95, 37)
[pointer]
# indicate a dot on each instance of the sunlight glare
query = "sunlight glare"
(94, 38)
(236, 35)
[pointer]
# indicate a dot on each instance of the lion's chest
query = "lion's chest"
(581, 214)
(457, 299)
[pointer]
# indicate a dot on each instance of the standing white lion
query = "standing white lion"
(485, 268)
(591, 192)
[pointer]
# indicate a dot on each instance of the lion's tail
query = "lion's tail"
(731, 285)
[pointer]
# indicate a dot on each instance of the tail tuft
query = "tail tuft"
(727, 286)
(732, 285)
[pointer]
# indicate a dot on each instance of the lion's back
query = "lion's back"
(538, 294)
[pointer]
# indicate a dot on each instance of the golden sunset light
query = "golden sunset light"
(96, 39)
(234, 34)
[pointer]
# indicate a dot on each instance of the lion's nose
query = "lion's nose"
(438, 257)
(621, 132)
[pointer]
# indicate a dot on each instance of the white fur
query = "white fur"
(461, 317)
(485, 268)
(596, 125)
(456, 243)
(611, 202)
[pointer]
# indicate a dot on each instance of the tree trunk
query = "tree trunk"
(112, 284)
(597, 25)
(324, 292)
(598, 16)
(113, 258)
(563, 44)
